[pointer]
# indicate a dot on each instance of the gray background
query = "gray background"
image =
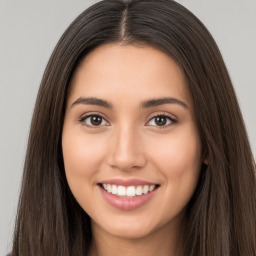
(29, 31)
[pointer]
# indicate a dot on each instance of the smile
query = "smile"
(128, 192)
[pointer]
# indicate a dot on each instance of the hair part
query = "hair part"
(221, 214)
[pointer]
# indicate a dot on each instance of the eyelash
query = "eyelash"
(82, 120)
(167, 116)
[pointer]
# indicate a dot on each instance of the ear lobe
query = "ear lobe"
(205, 157)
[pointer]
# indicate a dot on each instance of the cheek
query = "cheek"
(82, 159)
(179, 152)
(178, 158)
(81, 153)
(82, 156)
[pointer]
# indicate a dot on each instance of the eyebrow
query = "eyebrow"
(162, 101)
(92, 101)
(145, 104)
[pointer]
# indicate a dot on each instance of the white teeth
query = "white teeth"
(121, 191)
(145, 189)
(152, 187)
(114, 189)
(130, 191)
(139, 191)
(109, 188)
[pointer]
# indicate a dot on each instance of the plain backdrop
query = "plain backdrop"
(29, 31)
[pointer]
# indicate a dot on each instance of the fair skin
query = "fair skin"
(128, 142)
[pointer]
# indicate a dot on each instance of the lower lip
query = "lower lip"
(123, 203)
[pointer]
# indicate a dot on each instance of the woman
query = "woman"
(137, 144)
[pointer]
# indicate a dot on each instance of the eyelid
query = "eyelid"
(165, 114)
(89, 114)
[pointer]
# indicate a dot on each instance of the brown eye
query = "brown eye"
(161, 121)
(96, 120)
(93, 120)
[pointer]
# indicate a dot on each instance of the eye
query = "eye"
(93, 121)
(161, 121)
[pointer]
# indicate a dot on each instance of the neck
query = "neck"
(163, 242)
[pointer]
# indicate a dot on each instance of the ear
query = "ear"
(205, 156)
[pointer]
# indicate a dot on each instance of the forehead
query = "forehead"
(129, 72)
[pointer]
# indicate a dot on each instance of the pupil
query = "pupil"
(160, 120)
(96, 120)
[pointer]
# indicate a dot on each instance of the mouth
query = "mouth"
(128, 191)
(127, 194)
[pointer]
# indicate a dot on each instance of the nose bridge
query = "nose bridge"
(127, 148)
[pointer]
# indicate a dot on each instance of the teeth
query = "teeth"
(139, 191)
(145, 189)
(121, 191)
(109, 188)
(114, 189)
(130, 191)
(151, 188)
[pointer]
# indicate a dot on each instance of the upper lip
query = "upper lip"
(126, 182)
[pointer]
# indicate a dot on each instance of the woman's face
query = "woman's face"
(131, 147)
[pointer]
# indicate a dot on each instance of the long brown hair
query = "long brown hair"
(221, 216)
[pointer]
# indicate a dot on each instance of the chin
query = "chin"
(129, 227)
(130, 232)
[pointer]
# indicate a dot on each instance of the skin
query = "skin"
(129, 143)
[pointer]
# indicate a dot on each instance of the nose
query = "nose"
(126, 152)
